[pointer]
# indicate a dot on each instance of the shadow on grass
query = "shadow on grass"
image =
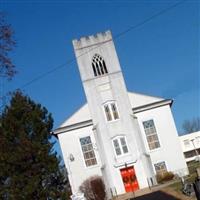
(159, 195)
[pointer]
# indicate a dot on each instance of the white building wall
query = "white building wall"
(77, 170)
(190, 142)
(170, 150)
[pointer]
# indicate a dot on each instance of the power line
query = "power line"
(149, 18)
(114, 37)
(47, 73)
(70, 61)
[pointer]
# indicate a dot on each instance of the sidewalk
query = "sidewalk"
(145, 191)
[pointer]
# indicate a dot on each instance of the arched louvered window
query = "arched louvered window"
(99, 65)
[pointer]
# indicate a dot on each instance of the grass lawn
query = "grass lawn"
(173, 189)
(177, 186)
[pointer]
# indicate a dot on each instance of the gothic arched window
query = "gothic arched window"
(98, 65)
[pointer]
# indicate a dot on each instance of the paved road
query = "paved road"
(159, 195)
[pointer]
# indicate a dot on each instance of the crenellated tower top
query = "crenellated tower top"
(92, 40)
(96, 56)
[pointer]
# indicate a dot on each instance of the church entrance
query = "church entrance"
(129, 179)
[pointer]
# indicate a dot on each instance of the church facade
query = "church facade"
(127, 138)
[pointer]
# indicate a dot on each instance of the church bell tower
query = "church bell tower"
(115, 128)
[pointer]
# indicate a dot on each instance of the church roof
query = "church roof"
(138, 102)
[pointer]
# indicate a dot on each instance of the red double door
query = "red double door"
(129, 179)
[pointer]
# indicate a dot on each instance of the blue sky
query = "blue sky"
(159, 58)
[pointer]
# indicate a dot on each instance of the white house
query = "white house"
(124, 137)
(190, 144)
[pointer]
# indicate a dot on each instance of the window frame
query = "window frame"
(112, 113)
(163, 170)
(150, 135)
(197, 141)
(99, 66)
(91, 150)
(186, 143)
(118, 139)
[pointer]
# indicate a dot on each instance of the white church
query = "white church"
(117, 134)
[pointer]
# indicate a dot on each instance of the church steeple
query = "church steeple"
(108, 101)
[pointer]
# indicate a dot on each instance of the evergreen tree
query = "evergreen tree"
(29, 168)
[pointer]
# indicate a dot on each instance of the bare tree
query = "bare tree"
(190, 126)
(7, 43)
(93, 188)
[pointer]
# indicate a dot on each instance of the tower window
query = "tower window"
(111, 111)
(107, 112)
(98, 65)
(114, 111)
(120, 146)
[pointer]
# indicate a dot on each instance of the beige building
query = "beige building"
(190, 144)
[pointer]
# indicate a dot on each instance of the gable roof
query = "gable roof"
(82, 117)
(136, 100)
(83, 114)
